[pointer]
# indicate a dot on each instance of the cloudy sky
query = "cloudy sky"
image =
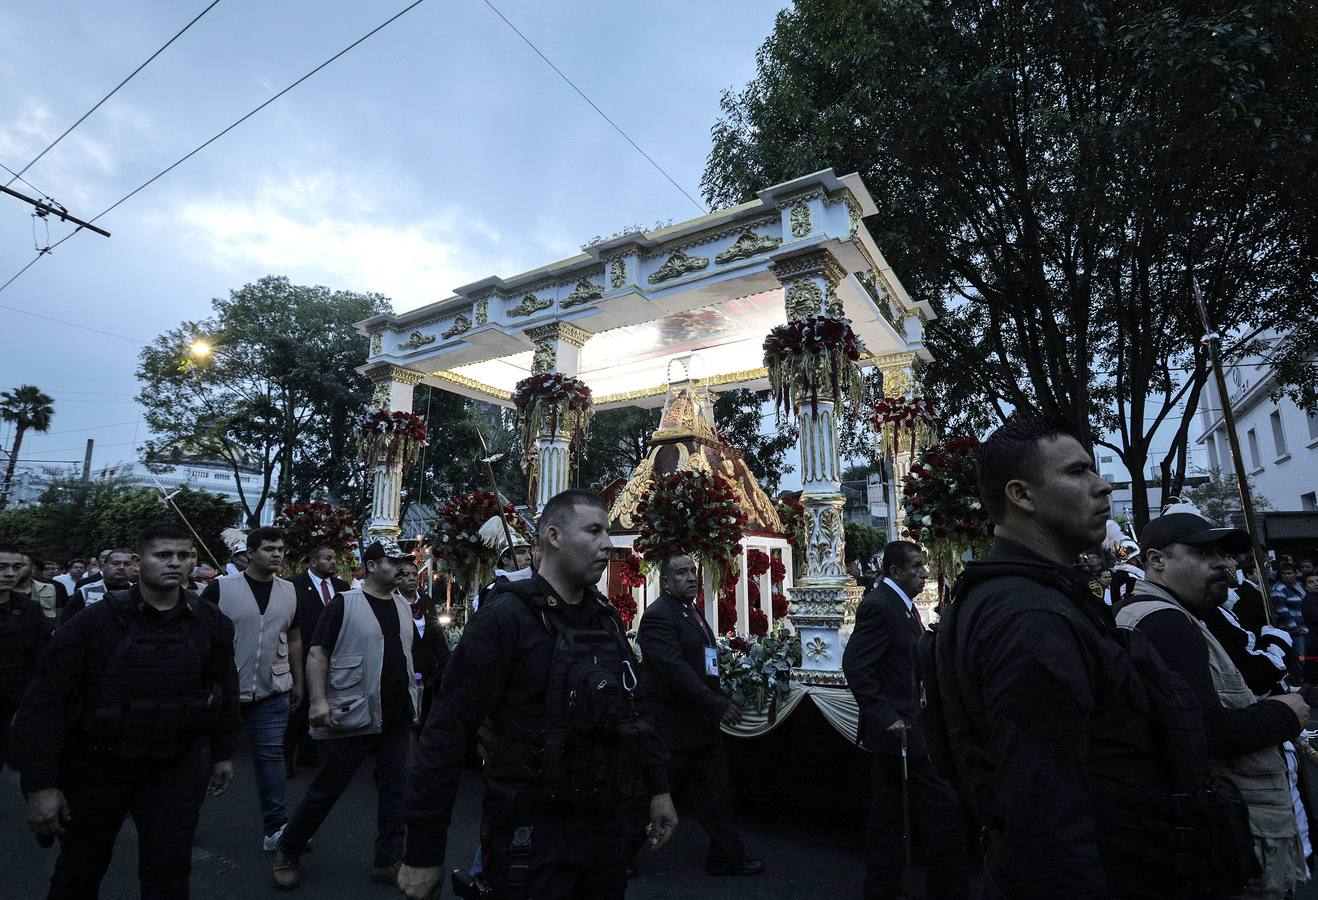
(438, 152)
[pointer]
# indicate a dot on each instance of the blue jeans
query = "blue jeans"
(264, 721)
(339, 760)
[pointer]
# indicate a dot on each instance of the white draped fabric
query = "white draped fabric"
(837, 704)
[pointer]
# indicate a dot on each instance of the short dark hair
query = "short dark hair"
(319, 547)
(563, 504)
(900, 554)
(7, 547)
(666, 563)
(1287, 567)
(264, 534)
(164, 531)
(1009, 453)
(76, 559)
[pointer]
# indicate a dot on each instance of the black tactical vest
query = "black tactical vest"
(20, 622)
(586, 752)
(151, 700)
(1192, 827)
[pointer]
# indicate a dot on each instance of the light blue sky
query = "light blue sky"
(440, 151)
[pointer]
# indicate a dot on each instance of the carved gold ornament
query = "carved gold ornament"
(377, 343)
(418, 339)
(461, 325)
(747, 245)
(482, 310)
(530, 304)
(678, 264)
(824, 548)
(618, 274)
(585, 292)
(817, 649)
(802, 299)
(545, 358)
(800, 220)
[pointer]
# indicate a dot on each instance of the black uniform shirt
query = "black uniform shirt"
(47, 720)
(395, 698)
(498, 671)
(24, 631)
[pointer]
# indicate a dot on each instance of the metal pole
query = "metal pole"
(87, 461)
(1213, 340)
(494, 486)
(46, 209)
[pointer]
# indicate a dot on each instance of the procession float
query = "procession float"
(787, 293)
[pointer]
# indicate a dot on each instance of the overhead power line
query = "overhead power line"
(700, 206)
(83, 117)
(193, 152)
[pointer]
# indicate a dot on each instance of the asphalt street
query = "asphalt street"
(808, 856)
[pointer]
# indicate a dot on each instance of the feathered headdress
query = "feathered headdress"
(235, 539)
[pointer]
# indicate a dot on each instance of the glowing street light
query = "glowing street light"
(200, 349)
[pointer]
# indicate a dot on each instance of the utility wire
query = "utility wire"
(27, 312)
(83, 117)
(191, 153)
(603, 115)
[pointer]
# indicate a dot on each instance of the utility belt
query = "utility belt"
(154, 729)
(567, 770)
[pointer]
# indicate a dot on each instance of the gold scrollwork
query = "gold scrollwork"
(482, 310)
(747, 245)
(531, 304)
(823, 541)
(678, 264)
(802, 299)
(417, 339)
(545, 358)
(461, 325)
(377, 343)
(618, 274)
(800, 220)
(584, 292)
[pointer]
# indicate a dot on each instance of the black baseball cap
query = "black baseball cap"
(1189, 528)
(381, 549)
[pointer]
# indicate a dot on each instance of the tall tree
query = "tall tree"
(1050, 177)
(277, 390)
(28, 407)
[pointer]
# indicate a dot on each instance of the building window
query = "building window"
(1278, 433)
(1309, 502)
(219, 476)
(1211, 445)
(1313, 426)
(1255, 460)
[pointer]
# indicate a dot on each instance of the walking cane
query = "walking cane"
(908, 885)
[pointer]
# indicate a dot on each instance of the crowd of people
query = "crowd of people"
(1123, 726)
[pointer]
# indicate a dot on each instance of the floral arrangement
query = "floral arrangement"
(757, 563)
(777, 571)
(457, 546)
(759, 622)
(780, 604)
(811, 356)
(694, 513)
(630, 571)
(625, 604)
(941, 503)
(755, 672)
(386, 438)
(306, 525)
(551, 402)
(890, 416)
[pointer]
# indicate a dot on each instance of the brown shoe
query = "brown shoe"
(386, 874)
(286, 873)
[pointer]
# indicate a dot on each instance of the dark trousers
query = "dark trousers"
(164, 801)
(582, 862)
(299, 748)
(699, 779)
(340, 758)
(938, 831)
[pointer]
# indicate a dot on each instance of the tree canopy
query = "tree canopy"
(278, 391)
(1050, 177)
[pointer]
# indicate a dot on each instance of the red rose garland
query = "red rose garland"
(694, 513)
(940, 499)
(811, 356)
(387, 438)
(625, 604)
(458, 549)
(757, 563)
(890, 416)
(305, 525)
(551, 402)
(630, 571)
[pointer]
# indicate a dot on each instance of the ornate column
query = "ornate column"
(809, 285)
(898, 381)
(557, 349)
(393, 391)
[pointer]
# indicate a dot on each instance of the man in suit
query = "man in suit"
(430, 652)
(316, 587)
(880, 665)
(681, 685)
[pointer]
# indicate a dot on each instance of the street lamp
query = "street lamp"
(200, 349)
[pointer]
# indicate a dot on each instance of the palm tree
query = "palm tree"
(27, 407)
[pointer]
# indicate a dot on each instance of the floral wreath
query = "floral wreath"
(890, 416)
(388, 438)
(811, 356)
(940, 500)
(458, 549)
(551, 402)
(307, 525)
(690, 512)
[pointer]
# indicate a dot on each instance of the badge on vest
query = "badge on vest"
(711, 661)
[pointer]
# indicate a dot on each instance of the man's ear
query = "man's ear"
(1020, 493)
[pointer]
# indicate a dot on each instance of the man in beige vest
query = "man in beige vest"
(364, 700)
(1187, 564)
(268, 656)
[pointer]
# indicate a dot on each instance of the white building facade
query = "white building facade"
(1278, 439)
(211, 476)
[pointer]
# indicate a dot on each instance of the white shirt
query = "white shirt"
(900, 593)
(67, 580)
(315, 583)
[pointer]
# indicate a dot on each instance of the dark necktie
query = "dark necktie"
(704, 626)
(915, 614)
(325, 592)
